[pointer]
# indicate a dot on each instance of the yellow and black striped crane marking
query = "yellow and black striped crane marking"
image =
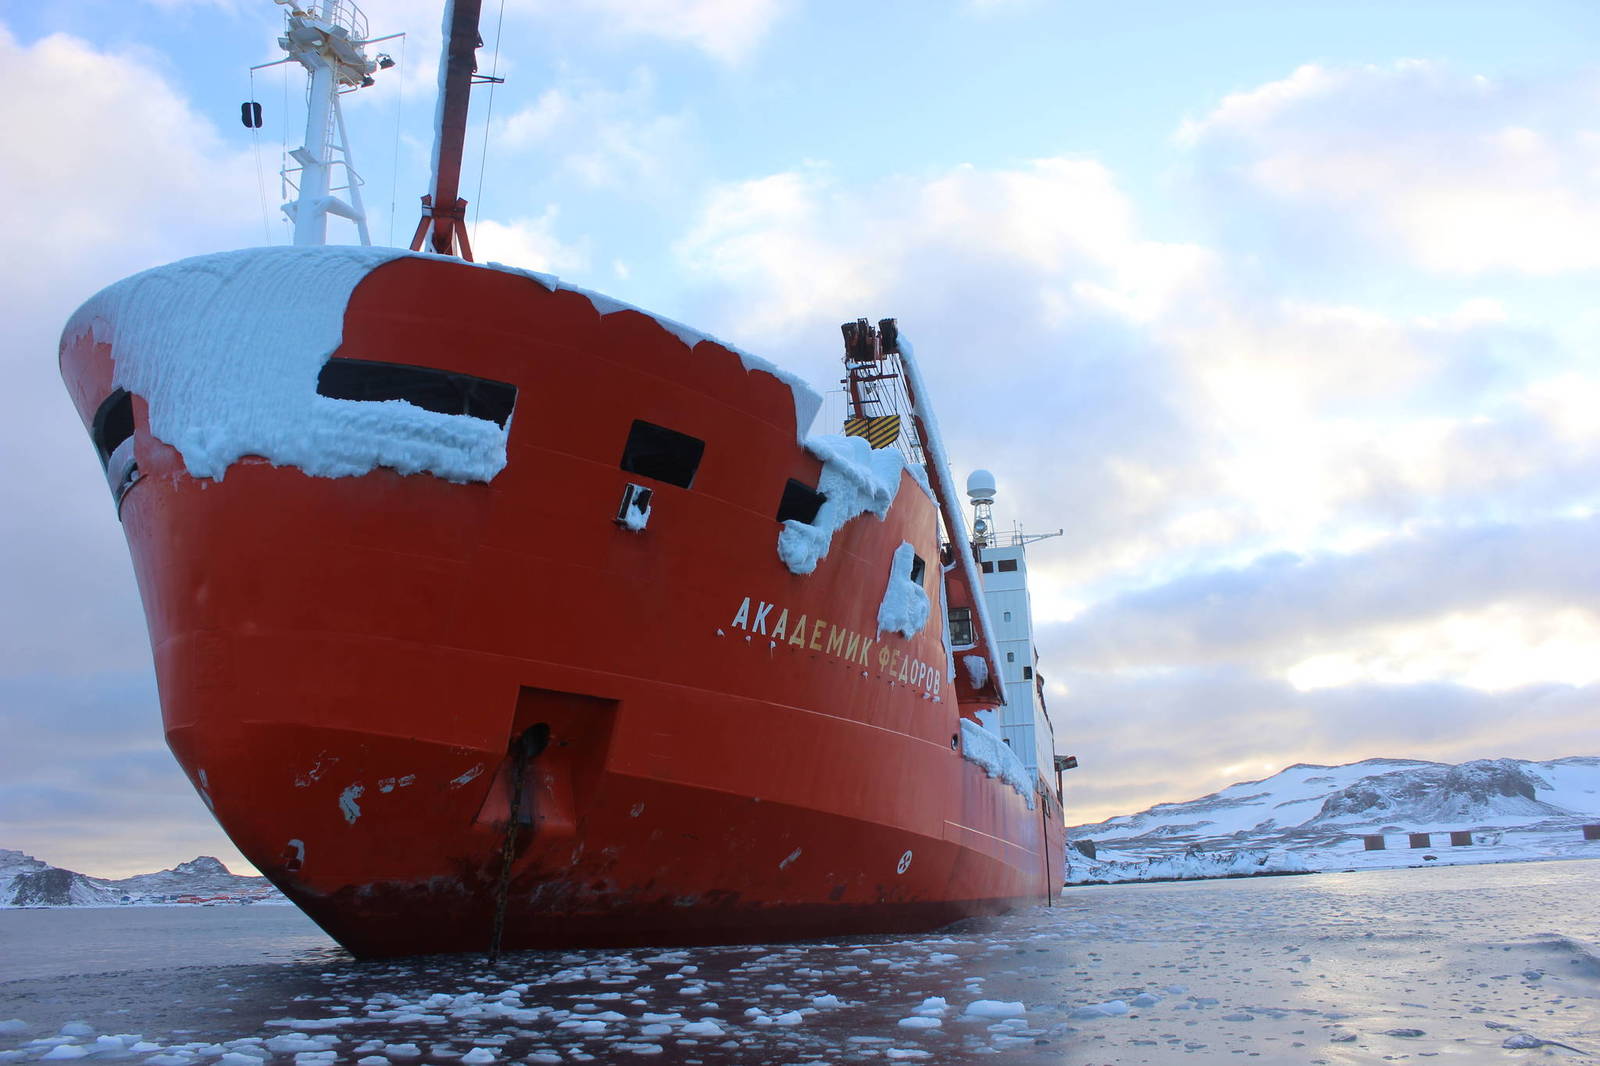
(880, 432)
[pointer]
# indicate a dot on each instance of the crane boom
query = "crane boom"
(444, 213)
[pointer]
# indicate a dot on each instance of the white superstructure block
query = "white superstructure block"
(1023, 720)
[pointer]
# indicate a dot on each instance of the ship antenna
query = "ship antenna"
(981, 491)
(328, 38)
(444, 213)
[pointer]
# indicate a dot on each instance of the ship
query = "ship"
(491, 613)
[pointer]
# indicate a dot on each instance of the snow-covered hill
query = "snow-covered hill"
(1316, 818)
(27, 882)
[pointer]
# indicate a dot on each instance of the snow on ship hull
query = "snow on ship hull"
(735, 753)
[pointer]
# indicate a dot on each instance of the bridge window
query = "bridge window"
(961, 626)
(663, 454)
(444, 391)
(800, 503)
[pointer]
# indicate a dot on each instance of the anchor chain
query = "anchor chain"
(524, 750)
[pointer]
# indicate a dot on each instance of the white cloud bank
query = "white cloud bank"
(607, 138)
(122, 173)
(727, 29)
(528, 243)
(1462, 174)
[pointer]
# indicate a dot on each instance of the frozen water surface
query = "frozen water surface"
(1465, 964)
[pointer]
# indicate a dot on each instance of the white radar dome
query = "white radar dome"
(980, 486)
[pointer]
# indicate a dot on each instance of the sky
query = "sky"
(1281, 312)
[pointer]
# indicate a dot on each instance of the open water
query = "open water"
(1466, 964)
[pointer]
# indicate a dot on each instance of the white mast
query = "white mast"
(327, 37)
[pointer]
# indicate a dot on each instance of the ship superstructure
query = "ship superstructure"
(1024, 721)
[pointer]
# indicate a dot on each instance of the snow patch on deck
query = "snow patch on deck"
(226, 350)
(855, 479)
(905, 605)
(992, 753)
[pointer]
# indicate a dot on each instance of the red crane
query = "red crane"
(444, 213)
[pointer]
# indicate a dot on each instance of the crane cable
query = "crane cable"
(261, 177)
(394, 158)
(483, 160)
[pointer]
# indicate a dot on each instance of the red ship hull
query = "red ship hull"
(344, 663)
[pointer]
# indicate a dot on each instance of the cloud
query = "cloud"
(1060, 225)
(606, 138)
(1030, 294)
(528, 243)
(1461, 174)
(83, 124)
(132, 170)
(1174, 735)
(1174, 413)
(1503, 646)
(172, 5)
(728, 30)
(131, 176)
(82, 756)
(1327, 420)
(1447, 643)
(1282, 608)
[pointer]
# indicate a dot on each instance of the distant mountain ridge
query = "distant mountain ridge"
(1317, 816)
(1486, 789)
(27, 882)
